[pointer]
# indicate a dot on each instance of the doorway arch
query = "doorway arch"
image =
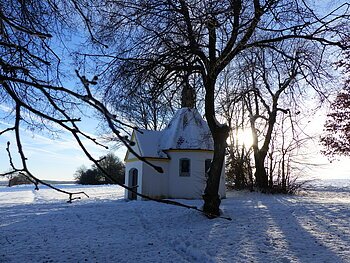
(133, 183)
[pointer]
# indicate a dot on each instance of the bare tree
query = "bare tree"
(146, 107)
(31, 89)
(30, 82)
(271, 83)
(149, 42)
(283, 162)
(233, 110)
(256, 98)
(165, 39)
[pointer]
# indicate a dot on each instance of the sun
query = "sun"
(243, 137)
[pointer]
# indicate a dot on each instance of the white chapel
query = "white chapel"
(184, 150)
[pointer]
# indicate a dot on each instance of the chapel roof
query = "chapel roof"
(148, 142)
(187, 130)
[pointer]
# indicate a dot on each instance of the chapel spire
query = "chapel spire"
(188, 95)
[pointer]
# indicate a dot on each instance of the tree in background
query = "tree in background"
(238, 167)
(113, 166)
(275, 75)
(149, 108)
(265, 90)
(18, 179)
(285, 161)
(94, 176)
(87, 177)
(336, 140)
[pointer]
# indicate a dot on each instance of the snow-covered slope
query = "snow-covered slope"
(41, 227)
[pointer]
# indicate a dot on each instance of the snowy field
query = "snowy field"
(39, 226)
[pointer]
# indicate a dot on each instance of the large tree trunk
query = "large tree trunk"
(262, 180)
(261, 176)
(211, 193)
(220, 133)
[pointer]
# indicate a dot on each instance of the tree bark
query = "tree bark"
(211, 193)
(262, 180)
(220, 133)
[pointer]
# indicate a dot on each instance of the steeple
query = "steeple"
(188, 95)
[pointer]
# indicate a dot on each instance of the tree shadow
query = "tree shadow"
(280, 229)
(264, 228)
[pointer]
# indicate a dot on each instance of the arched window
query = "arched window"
(184, 167)
(133, 181)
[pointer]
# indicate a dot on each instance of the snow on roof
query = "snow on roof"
(187, 130)
(148, 142)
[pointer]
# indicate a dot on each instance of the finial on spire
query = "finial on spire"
(188, 95)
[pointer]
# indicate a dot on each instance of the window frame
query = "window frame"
(183, 173)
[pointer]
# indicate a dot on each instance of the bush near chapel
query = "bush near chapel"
(19, 179)
(93, 176)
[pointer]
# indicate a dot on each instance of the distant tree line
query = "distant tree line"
(94, 176)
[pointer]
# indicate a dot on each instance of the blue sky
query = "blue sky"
(50, 159)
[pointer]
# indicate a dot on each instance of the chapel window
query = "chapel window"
(185, 167)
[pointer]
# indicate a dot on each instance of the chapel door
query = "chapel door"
(133, 181)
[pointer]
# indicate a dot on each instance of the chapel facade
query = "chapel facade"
(184, 150)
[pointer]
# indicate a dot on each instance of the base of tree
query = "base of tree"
(211, 206)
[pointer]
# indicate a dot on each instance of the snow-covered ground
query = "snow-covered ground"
(39, 226)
